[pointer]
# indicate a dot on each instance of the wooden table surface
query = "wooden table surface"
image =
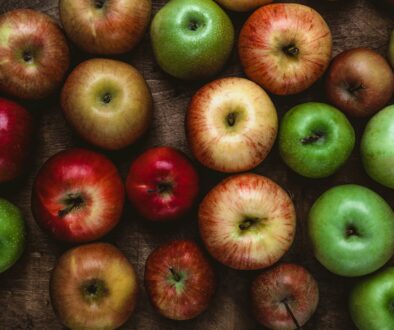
(24, 298)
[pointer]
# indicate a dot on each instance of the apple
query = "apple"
(78, 196)
(192, 39)
(351, 229)
(377, 150)
(34, 54)
(105, 26)
(107, 102)
(242, 5)
(247, 222)
(179, 280)
(285, 47)
(284, 297)
(359, 82)
(371, 301)
(93, 286)
(16, 135)
(315, 139)
(162, 184)
(12, 234)
(231, 125)
(391, 49)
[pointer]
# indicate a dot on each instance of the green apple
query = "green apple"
(351, 229)
(315, 139)
(391, 49)
(371, 302)
(377, 148)
(192, 39)
(12, 234)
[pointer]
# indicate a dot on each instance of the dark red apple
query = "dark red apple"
(360, 82)
(284, 297)
(34, 54)
(162, 184)
(93, 286)
(16, 135)
(179, 280)
(78, 196)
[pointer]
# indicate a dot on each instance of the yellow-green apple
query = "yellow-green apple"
(162, 184)
(360, 82)
(391, 49)
(231, 125)
(12, 234)
(284, 297)
(179, 280)
(192, 39)
(242, 5)
(247, 222)
(285, 47)
(107, 102)
(93, 286)
(105, 26)
(351, 229)
(16, 135)
(34, 54)
(78, 196)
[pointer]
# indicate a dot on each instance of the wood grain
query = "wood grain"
(24, 299)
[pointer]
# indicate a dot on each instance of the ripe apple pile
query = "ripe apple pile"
(247, 221)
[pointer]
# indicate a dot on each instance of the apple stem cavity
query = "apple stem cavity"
(176, 276)
(231, 118)
(193, 26)
(162, 188)
(99, 4)
(355, 89)
(351, 231)
(107, 98)
(291, 50)
(316, 136)
(247, 223)
(27, 56)
(93, 289)
(72, 202)
(288, 309)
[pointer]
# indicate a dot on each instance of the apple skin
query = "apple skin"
(34, 52)
(107, 102)
(285, 47)
(192, 40)
(231, 125)
(16, 135)
(103, 26)
(179, 280)
(315, 139)
(391, 49)
(247, 222)
(242, 5)
(12, 234)
(371, 301)
(360, 82)
(377, 151)
(93, 286)
(355, 223)
(162, 184)
(284, 284)
(78, 196)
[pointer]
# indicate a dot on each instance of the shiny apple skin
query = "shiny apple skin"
(242, 5)
(28, 30)
(230, 205)
(16, 135)
(187, 296)
(162, 184)
(271, 28)
(286, 283)
(231, 148)
(114, 28)
(121, 121)
(99, 264)
(359, 68)
(71, 174)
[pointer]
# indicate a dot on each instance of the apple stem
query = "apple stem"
(231, 117)
(288, 309)
(291, 50)
(72, 202)
(312, 138)
(27, 56)
(107, 98)
(176, 276)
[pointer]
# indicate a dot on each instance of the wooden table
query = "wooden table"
(24, 299)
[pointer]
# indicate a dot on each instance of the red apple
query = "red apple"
(93, 286)
(162, 184)
(284, 297)
(107, 102)
(285, 47)
(179, 280)
(360, 82)
(231, 125)
(16, 134)
(77, 196)
(247, 222)
(105, 26)
(34, 54)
